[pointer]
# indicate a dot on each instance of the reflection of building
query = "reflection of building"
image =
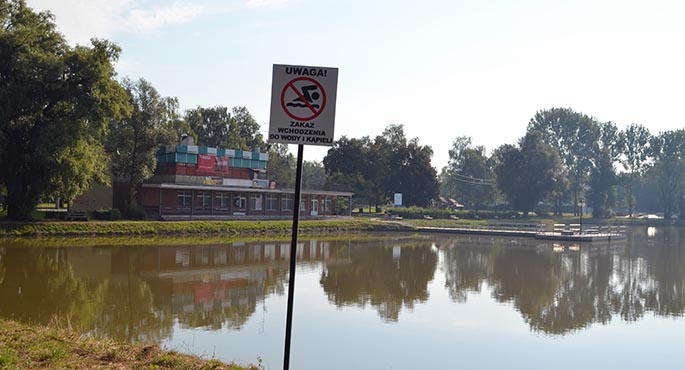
(201, 182)
(204, 279)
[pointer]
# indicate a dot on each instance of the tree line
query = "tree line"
(569, 158)
(67, 120)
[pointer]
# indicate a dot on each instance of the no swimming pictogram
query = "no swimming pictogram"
(303, 99)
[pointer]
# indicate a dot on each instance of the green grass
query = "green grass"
(190, 228)
(54, 347)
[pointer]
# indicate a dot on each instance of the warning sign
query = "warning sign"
(303, 105)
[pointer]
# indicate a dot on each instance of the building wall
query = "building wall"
(236, 203)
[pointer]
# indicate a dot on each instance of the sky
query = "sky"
(442, 69)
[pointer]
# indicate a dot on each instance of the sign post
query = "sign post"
(302, 113)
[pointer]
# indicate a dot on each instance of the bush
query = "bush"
(135, 212)
(111, 214)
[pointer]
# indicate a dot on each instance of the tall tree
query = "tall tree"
(606, 151)
(468, 176)
(573, 135)
(281, 166)
(634, 147)
(313, 175)
(247, 131)
(212, 125)
(135, 139)
(527, 173)
(54, 100)
(348, 167)
(411, 173)
(668, 153)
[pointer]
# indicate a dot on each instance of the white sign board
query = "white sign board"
(303, 105)
(398, 200)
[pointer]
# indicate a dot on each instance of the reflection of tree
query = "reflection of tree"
(558, 293)
(666, 266)
(376, 277)
(465, 269)
(127, 307)
(39, 285)
(581, 297)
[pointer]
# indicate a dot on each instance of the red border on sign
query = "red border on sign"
(315, 113)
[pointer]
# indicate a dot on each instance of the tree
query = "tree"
(247, 130)
(526, 174)
(389, 164)
(216, 127)
(281, 166)
(468, 176)
(313, 175)
(668, 151)
(634, 147)
(54, 100)
(411, 173)
(348, 168)
(573, 135)
(78, 167)
(212, 125)
(135, 139)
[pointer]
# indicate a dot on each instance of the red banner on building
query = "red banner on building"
(205, 163)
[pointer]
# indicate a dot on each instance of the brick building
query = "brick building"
(195, 182)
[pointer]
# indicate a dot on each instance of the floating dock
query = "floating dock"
(560, 232)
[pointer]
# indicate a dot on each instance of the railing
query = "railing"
(571, 229)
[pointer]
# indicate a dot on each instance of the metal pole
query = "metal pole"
(293, 257)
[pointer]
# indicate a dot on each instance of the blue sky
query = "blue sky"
(441, 68)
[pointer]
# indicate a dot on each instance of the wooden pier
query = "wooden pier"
(560, 232)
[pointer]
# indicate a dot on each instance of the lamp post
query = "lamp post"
(581, 204)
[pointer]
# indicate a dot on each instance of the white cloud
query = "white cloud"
(80, 20)
(150, 20)
(265, 3)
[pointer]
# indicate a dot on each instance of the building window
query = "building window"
(271, 202)
(256, 202)
(303, 205)
(239, 201)
(327, 204)
(184, 198)
(287, 202)
(204, 199)
(222, 200)
(315, 205)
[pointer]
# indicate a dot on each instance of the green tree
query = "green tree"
(668, 150)
(54, 100)
(573, 135)
(348, 168)
(606, 152)
(412, 175)
(313, 175)
(634, 147)
(281, 166)
(212, 125)
(247, 131)
(78, 167)
(526, 174)
(135, 139)
(468, 176)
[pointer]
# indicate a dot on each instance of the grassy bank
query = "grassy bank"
(262, 228)
(53, 347)
(225, 228)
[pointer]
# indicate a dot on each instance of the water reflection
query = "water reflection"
(137, 293)
(141, 293)
(387, 276)
(557, 293)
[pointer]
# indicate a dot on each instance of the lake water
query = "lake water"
(383, 302)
